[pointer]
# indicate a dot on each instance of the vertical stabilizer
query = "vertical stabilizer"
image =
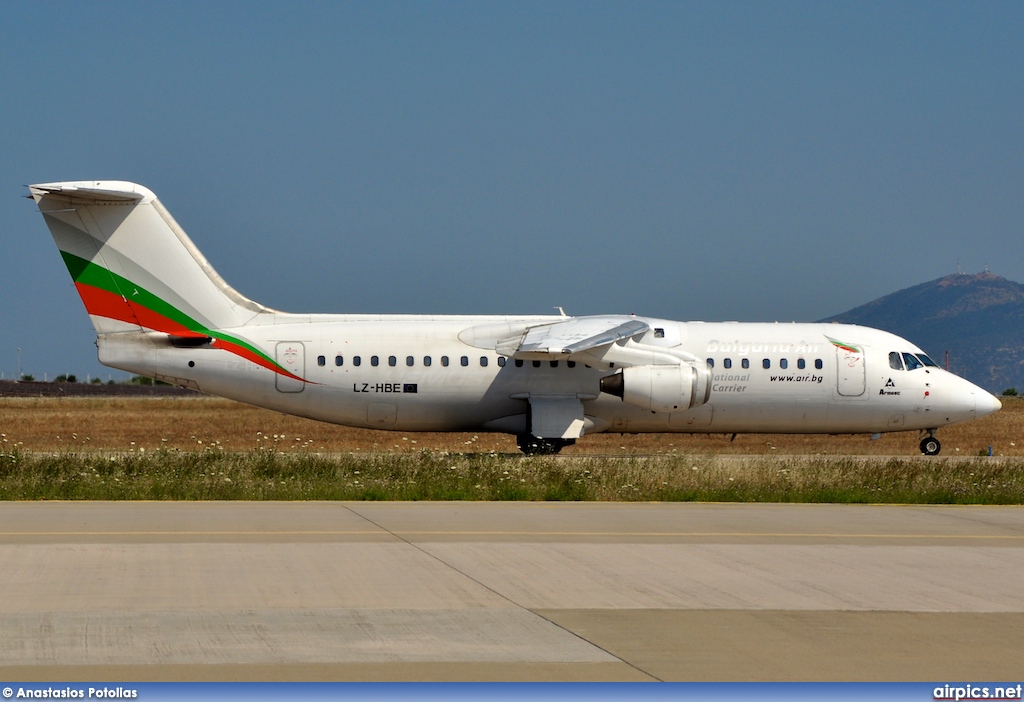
(133, 266)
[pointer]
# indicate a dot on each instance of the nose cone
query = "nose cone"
(960, 400)
(986, 403)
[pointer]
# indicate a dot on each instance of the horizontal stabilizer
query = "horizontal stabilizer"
(133, 265)
(92, 192)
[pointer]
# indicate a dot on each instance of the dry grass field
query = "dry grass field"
(201, 448)
(84, 424)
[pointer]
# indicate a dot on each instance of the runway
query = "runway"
(509, 591)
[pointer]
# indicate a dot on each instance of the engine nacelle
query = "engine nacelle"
(668, 388)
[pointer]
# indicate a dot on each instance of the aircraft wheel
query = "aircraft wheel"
(534, 446)
(930, 446)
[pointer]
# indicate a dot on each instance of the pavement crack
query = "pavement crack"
(497, 593)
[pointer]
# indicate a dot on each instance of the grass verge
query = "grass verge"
(271, 475)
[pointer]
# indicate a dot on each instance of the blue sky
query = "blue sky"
(713, 160)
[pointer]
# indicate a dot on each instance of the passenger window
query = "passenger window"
(745, 363)
(483, 361)
(444, 361)
(801, 363)
(536, 364)
(356, 360)
(895, 362)
(519, 363)
(409, 360)
(427, 361)
(817, 363)
(392, 361)
(374, 361)
(321, 360)
(766, 363)
(711, 363)
(554, 364)
(501, 361)
(464, 360)
(727, 363)
(784, 363)
(571, 364)
(338, 360)
(912, 362)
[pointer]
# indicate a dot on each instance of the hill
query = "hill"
(977, 318)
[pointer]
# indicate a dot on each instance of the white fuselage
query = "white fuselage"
(160, 310)
(421, 373)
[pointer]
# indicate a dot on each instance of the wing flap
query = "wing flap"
(571, 336)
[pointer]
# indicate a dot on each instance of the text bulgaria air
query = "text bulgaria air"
(70, 693)
(743, 348)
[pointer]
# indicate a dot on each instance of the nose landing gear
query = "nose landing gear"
(930, 446)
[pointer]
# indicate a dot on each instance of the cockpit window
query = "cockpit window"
(895, 362)
(912, 362)
(927, 361)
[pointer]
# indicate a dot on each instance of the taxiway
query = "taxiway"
(509, 591)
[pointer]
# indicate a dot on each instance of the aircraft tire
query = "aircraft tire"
(930, 446)
(534, 446)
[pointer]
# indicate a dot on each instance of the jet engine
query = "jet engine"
(667, 388)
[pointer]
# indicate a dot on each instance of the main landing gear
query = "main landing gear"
(930, 446)
(534, 446)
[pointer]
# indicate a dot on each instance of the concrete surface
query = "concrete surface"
(509, 591)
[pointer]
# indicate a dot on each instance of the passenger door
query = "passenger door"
(850, 372)
(291, 356)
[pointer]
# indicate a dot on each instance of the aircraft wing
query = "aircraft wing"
(574, 335)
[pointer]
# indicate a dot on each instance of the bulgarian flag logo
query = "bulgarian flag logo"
(845, 347)
(105, 294)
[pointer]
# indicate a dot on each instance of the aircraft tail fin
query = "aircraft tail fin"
(133, 266)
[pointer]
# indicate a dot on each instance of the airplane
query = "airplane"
(161, 311)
